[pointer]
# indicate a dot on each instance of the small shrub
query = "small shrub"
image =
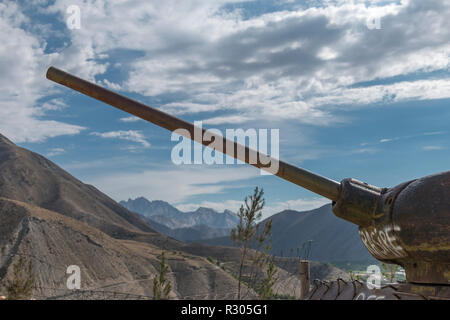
(22, 283)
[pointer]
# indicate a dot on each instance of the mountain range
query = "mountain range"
(319, 231)
(203, 223)
(164, 213)
(54, 220)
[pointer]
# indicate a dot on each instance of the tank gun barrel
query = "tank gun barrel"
(304, 178)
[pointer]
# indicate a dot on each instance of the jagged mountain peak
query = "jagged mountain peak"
(205, 210)
(167, 215)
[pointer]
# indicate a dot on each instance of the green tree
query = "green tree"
(389, 271)
(161, 285)
(265, 289)
(20, 287)
(352, 275)
(246, 234)
(261, 259)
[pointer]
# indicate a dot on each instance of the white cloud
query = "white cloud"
(365, 151)
(23, 62)
(435, 133)
(130, 135)
(235, 119)
(54, 104)
(394, 139)
(130, 119)
(327, 54)
(279, 66)
(173, 185)
(55, 152)
(111, 85)
(251, 68)
(432, 148)
(401, 91)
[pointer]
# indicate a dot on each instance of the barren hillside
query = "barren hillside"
(54, 220)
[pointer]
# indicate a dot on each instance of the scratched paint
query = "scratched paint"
(382, 243)
(362, 296)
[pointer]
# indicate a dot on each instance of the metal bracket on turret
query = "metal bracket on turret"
(357, 202)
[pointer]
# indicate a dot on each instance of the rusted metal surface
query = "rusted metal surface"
(421, 215)
(407, 225)
(357, 290)
(357, 202)
(410, 227)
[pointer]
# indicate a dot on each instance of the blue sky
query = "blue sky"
(350, 100)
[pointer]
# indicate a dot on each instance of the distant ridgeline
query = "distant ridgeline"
(333, 239)
(203, 223)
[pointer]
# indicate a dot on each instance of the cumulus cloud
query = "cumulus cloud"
(130, 135)
(22, 68)
(304, 64)
(401, 91)
(54, 104)
(295, 64)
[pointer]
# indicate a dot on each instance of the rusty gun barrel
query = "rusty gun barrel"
(304, 178)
